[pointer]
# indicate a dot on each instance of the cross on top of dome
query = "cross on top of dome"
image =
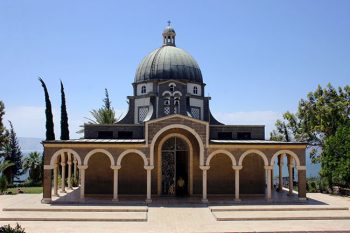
(169, 35)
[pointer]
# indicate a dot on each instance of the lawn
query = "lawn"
(26, 190)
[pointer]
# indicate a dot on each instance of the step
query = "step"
(74, 217)
(78, 209)
(275, 208)
(282, 215)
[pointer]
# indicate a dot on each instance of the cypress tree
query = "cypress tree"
(50, 133)
(64, 116)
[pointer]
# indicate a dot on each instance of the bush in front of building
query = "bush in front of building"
(9, 229)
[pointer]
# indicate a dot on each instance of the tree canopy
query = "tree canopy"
(104, 115)
(320, 121)
(64, 116)
(50, 133)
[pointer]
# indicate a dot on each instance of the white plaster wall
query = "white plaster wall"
(140, 103)
(149, 88)
(197, 103)
(190, 88)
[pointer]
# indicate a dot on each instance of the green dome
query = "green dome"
(168, 62)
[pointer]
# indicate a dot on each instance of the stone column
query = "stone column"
(280, 174)
(268, 193)
(204, 170)
(302, 182)
(115, 182)
(55, 180)
(290, 172)
(149, 184)
(69, 171)
(47, 184)
(82, 181)
(75, 168)
(237, 168)
(63, 183)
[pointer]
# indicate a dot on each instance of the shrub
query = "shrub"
(9, 229)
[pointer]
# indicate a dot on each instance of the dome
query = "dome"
(168, 62)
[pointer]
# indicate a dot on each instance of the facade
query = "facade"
(169, 143)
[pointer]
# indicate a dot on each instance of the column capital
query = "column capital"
(63, 164)
(83, 167)
(116, 167)
(268, 167)
(204, 168)
(69, 163)
(301, 168)
(236, 167)
(148, 167)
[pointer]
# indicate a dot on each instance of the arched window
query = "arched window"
(143, 90)
(171, 87)
(177, 105)
(166, 101)
(195, 90)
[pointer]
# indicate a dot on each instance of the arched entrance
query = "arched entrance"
(175, 167)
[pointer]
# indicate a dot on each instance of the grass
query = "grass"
(32, 190)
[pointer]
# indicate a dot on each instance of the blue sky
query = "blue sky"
(258, 58)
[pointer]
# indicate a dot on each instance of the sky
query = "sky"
(258, 58)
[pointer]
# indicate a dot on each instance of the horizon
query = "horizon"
(258, 59)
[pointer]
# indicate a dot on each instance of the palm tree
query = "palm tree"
(104, 115)
(4, 165)
(3, 180)
(34, 164)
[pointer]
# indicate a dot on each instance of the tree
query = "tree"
(64, 116)
(335, 158)
(3, 131)
(3, 181)
(50, 133)
(13, 154)
(34, 164)
(104, 115)
(317, 120)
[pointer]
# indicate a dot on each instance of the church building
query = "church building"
(170, 145)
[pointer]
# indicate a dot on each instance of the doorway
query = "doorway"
(174, 164)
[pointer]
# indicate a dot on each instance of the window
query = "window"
(167, 101)
(125, 134)
(143, 90)
(196, 112)
(224, 135)
(105, 134)
(244, 136)
(195, 90)
(142, 114)
(177, 105)
(171, 87)
(166, 110)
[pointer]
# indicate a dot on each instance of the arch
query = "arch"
(190, 147)
(229, 154)
(103, 151)
(177, 93)
(289, 152)
(166, 93)
(179, 126)
(253, 151)
(59, 152)
(124, 153)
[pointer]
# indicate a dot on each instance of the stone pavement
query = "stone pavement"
(172, 218)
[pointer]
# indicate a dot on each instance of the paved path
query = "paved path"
(178, 219)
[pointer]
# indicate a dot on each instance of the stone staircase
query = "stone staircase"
(271, 213)
(77, 213)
